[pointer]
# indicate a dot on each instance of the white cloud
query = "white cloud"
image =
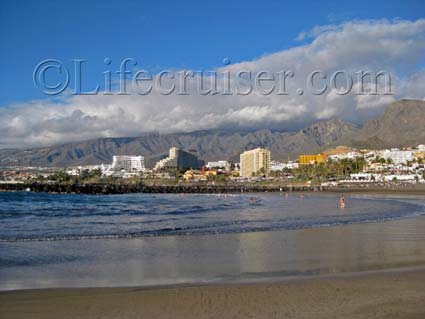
(397, 47)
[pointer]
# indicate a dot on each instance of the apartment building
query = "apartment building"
(256, 161)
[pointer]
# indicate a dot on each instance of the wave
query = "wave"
(241, 226)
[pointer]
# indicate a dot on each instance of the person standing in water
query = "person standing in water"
(342, 201)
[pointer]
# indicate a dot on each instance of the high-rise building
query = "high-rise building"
(180, 159)
(128, 163)
(256, 161)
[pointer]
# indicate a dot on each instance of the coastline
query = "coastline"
(397, 293)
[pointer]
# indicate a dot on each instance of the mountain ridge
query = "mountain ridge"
(400, 125)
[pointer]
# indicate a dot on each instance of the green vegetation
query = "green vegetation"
(60, 176)
(219, 178)
(331, 170)
(175, 172)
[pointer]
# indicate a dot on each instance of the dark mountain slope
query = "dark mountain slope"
(402, 124)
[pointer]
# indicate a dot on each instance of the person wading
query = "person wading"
(342, 201)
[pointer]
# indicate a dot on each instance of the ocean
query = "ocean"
(52, 240)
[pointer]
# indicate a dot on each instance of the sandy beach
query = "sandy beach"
(388, 294)
(369, 264)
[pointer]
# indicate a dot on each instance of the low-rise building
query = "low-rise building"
(420, 155)
(421, 148)
(397, 156)
(374, 167)
(403, 178)
(77, 171)
(219, 164)
(365, 177)
(311, 159)
(349, 155)
(279, 166)
(194, 175)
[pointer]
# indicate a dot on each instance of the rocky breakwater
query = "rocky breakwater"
(94, 188)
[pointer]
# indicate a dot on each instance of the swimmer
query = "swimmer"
(342, 202)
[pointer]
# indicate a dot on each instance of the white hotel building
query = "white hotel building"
(397, 156)
(219, 164)
(125, 164)
(128, 163)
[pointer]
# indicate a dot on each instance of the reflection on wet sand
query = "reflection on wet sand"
(225, 257)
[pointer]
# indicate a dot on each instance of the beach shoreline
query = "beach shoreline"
(391, 293)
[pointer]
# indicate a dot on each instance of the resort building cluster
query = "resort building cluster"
(377, 166)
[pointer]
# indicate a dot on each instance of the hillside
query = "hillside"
(402, 124)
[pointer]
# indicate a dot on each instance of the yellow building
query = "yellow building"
(312, 159)
(194, 175)
(256, 161)
(419, 155)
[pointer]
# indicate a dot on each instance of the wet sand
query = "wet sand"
(388, 294)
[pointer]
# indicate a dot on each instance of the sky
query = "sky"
(196, 35)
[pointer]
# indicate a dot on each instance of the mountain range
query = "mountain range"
(402, 124)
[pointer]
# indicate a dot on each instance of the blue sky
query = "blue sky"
(162, 34)
(197, 35)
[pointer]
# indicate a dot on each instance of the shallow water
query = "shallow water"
(140, 239)
(32, 216)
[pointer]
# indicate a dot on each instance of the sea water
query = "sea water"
(51, 240)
